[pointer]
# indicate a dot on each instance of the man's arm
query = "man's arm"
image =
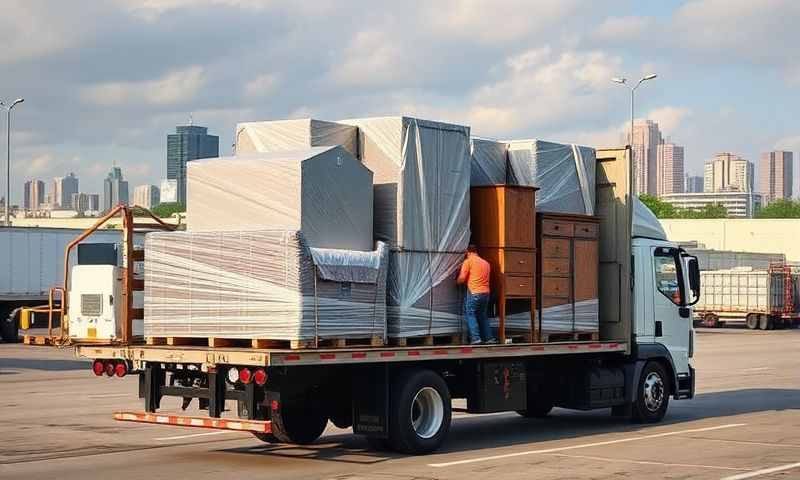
(464, 274)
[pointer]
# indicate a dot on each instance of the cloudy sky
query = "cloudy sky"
(105, 81)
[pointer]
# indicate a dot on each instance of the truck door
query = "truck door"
(672, 319)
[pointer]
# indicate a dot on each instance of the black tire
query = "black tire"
(765, 322)
(652, 394)
(9, 326)
(266, 437)
(299, 422)
(419, 396)
(710, 320)
(537, 408)
(751, 321)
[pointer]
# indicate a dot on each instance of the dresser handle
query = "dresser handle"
(521, 262)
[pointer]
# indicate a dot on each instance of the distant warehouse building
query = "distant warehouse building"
(738, 204)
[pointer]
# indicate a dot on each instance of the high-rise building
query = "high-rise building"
(169, 190)
(728, 173)
(94, 202)
(669, 172)
(646, 138)
(775, 175)
(63, 188)
(115, 189)
(86, 203)
(147, 196)
(694, 184)
(34, 195)
(189, 142)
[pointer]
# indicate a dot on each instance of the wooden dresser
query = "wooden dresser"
(503, 223)
(569, 264)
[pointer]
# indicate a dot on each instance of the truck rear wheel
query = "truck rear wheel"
(652, 394)
(300, 423)
(537, 408)
(751, 321)
(711, 320)
(765, 322)
(420, 412)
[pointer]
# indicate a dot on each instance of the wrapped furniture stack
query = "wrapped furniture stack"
(489, 162)
(422, 176)
(279, 248)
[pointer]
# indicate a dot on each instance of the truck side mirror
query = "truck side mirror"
(694, 278)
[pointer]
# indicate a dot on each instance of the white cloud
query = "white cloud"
(791, 143)
(669, 118)
(622, 29)
(374, 58)
(176, 87)
(261, 86)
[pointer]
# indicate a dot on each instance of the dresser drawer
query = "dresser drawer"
(516, 261)
(555, 287)
(555, 248)
(519, 286)
(586, 230)
(555, 227)
(553, 301)
(555, 266)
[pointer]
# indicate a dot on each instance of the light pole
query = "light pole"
(624, 81)
(8, 155)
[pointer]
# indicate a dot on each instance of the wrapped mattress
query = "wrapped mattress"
(489, 159)
(324, 192)
(421, 174)
(286, 135)
(261, 284)
(565, 174)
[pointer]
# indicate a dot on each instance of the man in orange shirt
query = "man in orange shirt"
(474, 274)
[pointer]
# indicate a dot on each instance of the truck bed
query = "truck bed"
(210, 356)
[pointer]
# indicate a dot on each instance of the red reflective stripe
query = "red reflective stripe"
(387, 354)
(440, 352)
(327, 356)
(198, 422)
(466, 350)
(595, 345)
(573, 347)
(413, 353)
(613, 345)
(359, 355)
(290, 358)
(538, 349)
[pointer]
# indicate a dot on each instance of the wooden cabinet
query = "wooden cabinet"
(569, 264)
(503, 223)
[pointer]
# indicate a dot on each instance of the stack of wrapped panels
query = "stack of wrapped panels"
(564, 174)
(422, 175)
(261, 284)
(323, 191)
(489, 162)
(287, 135)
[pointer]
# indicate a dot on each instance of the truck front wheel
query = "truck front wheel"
(652, 394)
(420, 413)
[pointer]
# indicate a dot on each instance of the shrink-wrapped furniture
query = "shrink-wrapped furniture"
(489, 159)
(565, 174)
(421, 174)
(323, 191)
(569, 263)
(261, 284)
(283, 135)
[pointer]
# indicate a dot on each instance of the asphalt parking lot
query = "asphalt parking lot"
(55, 422)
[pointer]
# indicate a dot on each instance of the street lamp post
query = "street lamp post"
(624, 81)
(8, 156)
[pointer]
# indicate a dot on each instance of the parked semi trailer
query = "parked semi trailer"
(758, 298)
(31, 263)
(401, 397)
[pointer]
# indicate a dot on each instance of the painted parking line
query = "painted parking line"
(646, 462)
(766, 471)
(109, 395)
(585, 445)
(192, 435)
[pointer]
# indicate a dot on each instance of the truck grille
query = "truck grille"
(92, 304)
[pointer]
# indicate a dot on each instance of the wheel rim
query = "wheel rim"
(427, 412)
(653, 391)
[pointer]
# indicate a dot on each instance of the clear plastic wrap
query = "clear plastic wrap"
(323, 191)
(261, 284)
(565, 174)
(489, 161)
(422, 175)
(562, 318)
(287, 135)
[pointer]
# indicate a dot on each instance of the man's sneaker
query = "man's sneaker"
(475, 342)
(492, 341)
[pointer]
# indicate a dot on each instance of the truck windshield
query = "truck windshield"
(666, 273)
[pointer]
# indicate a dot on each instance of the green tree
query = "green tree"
(660, 208)
(781, 208)
(165, 210)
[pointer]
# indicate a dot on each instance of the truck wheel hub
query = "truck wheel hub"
(427, 412)
(653, 391)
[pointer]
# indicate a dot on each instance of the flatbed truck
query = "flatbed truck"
(400, 398)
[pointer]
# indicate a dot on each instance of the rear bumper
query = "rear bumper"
(258, 426)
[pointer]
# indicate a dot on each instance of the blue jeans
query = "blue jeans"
(476, 312)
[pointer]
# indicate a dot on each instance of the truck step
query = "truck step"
(550, 337)
(264, 343)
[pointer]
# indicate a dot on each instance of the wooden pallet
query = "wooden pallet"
(426, 340)
(264, 343)
(549, 337)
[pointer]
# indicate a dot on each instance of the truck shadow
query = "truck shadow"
(50, 365)
(471, 433)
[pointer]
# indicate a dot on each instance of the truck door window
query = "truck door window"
(667, 276)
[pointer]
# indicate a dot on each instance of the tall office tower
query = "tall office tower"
(669, 173)
(775, 176)
(26, 196)
(189, 142)
(115, 189)
(34, 195)
(94, 202)
(63, 188)
(728, 173)
(646, 138)
(169, 190)
(147, 196)
(694, 184)
(80, 202)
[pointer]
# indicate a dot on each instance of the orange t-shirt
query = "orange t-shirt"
(475, 273)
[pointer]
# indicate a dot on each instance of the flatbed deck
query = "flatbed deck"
(210, 357)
